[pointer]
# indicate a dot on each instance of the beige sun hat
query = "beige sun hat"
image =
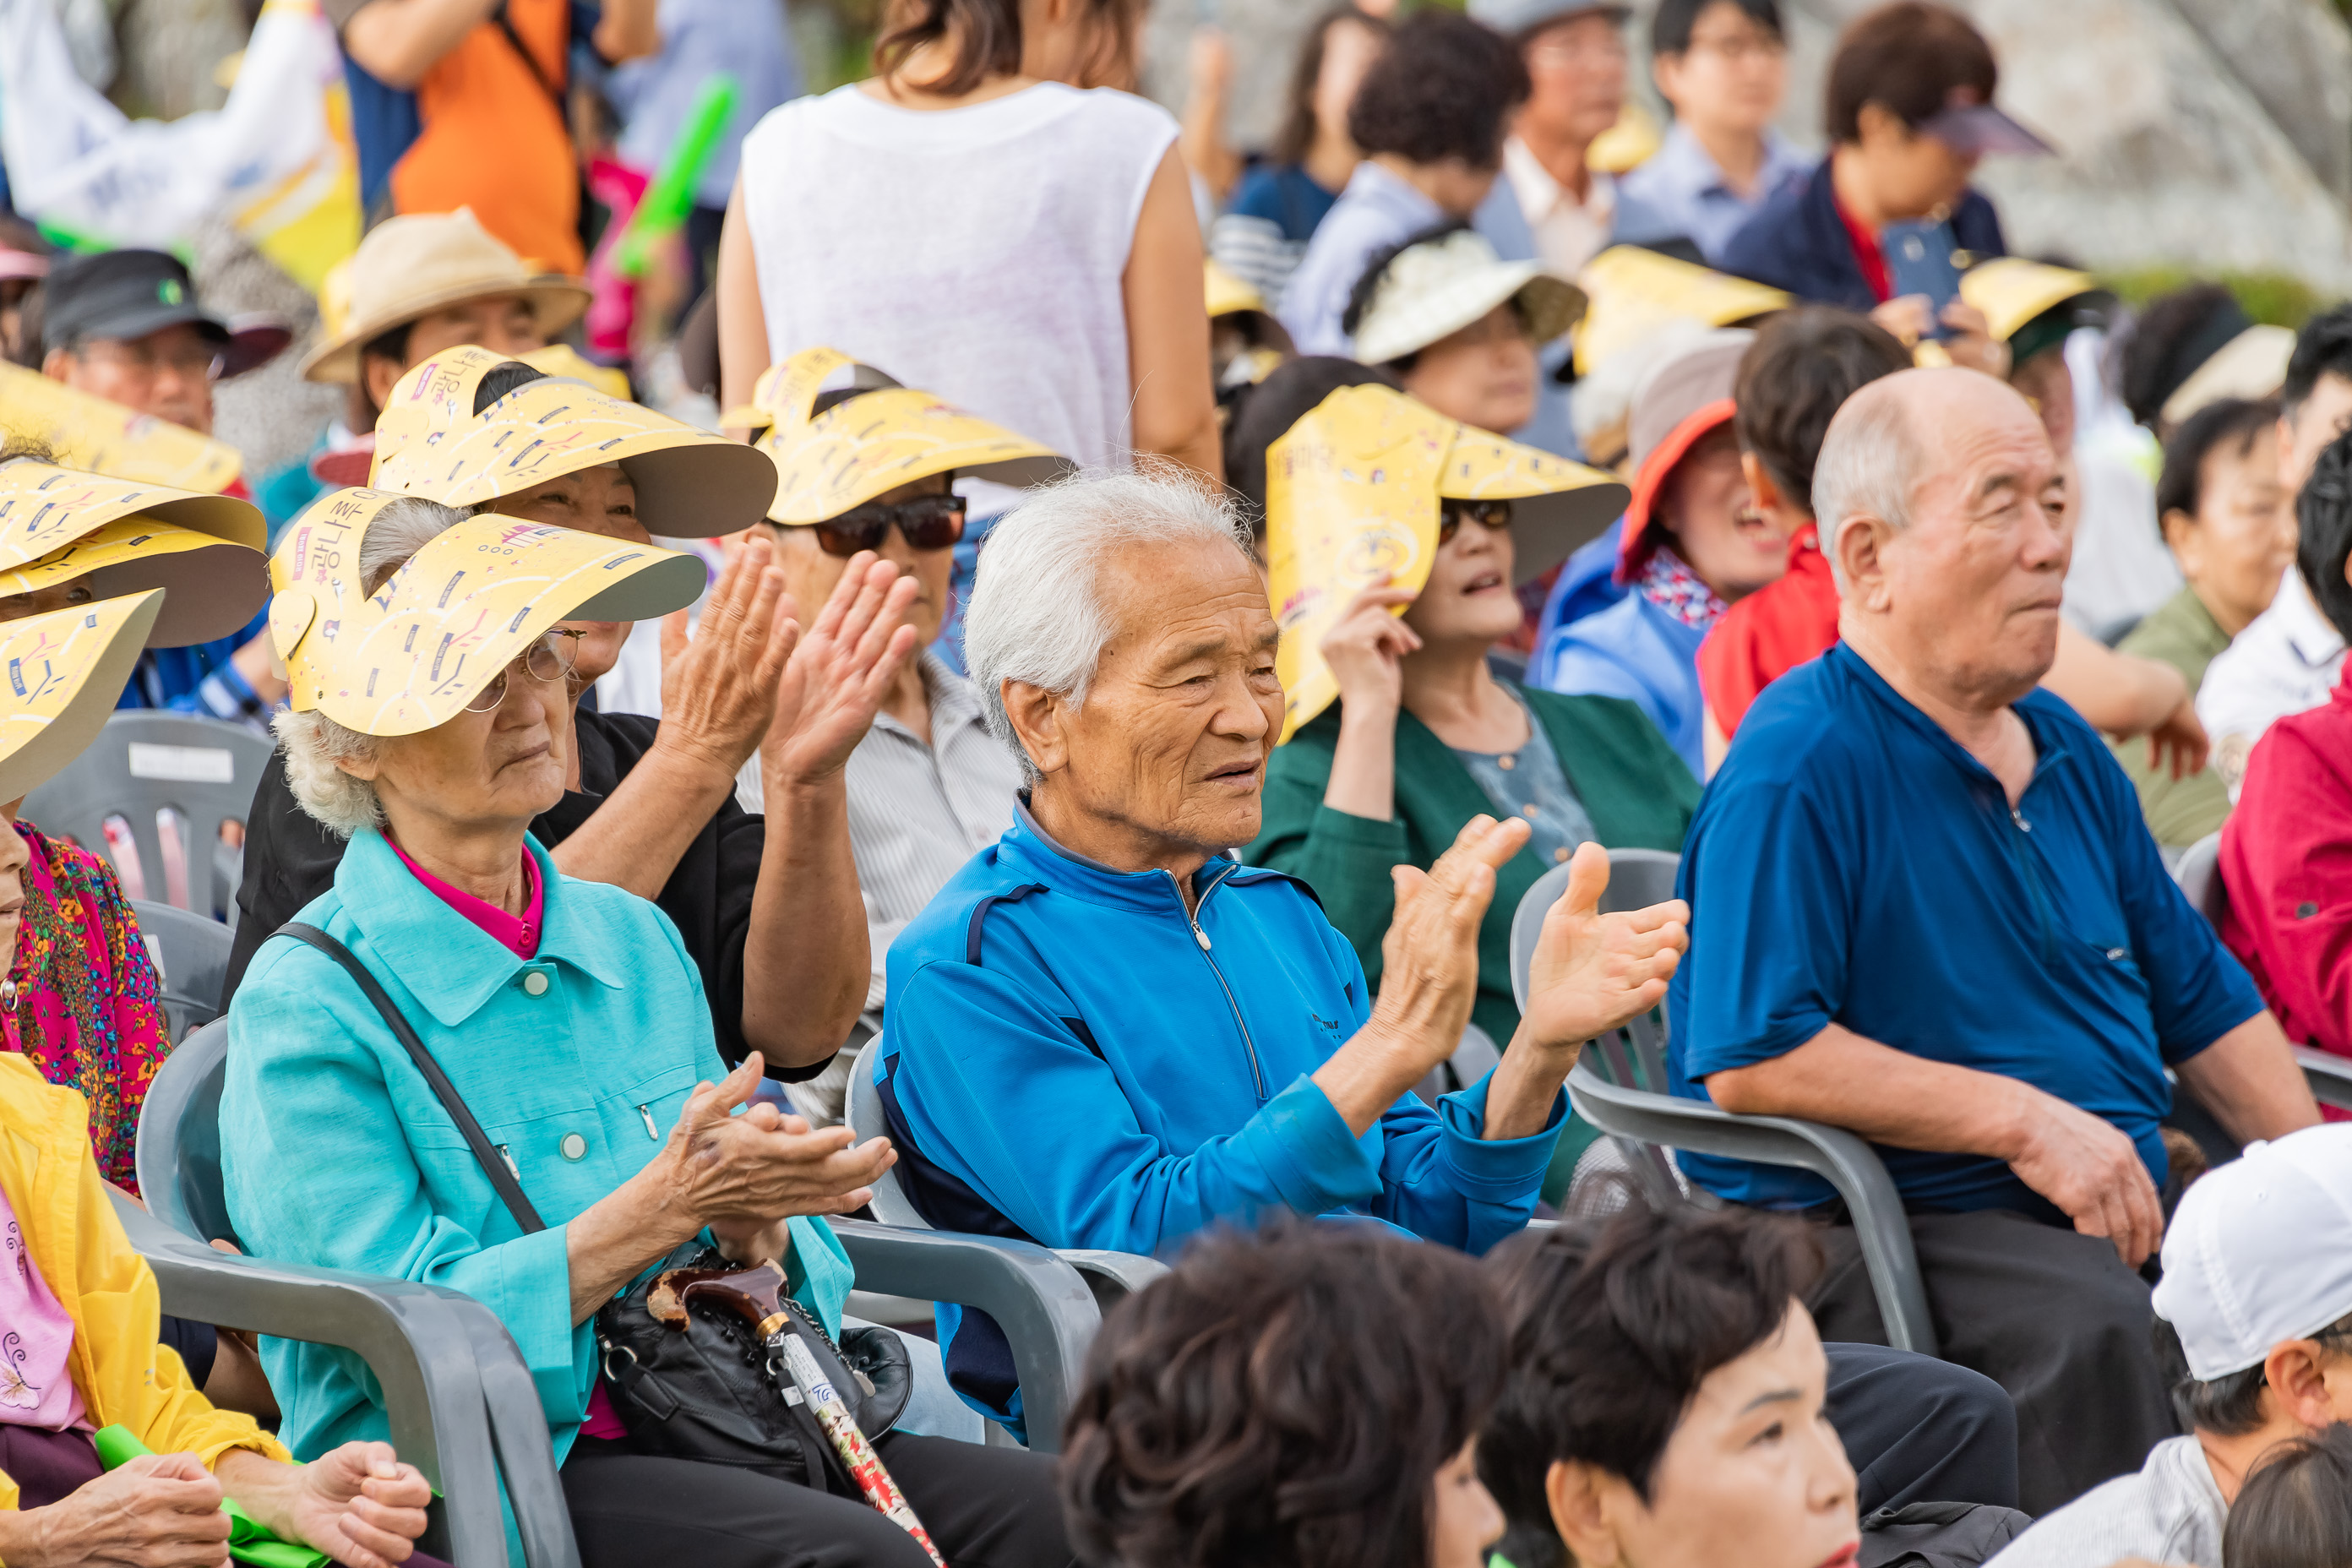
(409, 267)
(1435, 289)
(58, 525)
(431, 441)
(64, 671)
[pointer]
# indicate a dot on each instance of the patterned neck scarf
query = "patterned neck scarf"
(1674, 588)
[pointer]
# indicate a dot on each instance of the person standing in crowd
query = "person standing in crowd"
(1459, 328)
(1178, 1452)
(1722, 65)
(126, 325)
(1429, 120)
(435, 83)
(2231, 527)
(1276, 209)
(1549, 197)
(2254, 1328)
(1910, 112)
(2288, 658)
(1907, 826)
(1693, 544)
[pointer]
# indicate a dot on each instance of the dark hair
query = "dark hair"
(2323, 526)
(2296, 1508)
(29, 310)
(1296, 137)
(2177, 332)
(1281, 1401)
(1670, 29)
(1803, 366)
(1614, 1324)
(501, 379)
(1445, 87)
(1376, 265)
(2230, 1405)
(987, 35)
(2236, 423)
(1263, 413)
(2324, 347)
(1908, 58)
(391, 343)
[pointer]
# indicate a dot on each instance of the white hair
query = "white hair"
(1035, 614)
(314, 744)
(1868, 467)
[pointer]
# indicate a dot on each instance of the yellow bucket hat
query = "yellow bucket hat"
(64, 671)
(1352, 493)
(1633, 292)
(410, 655)
(431, 441)
(86, 432)
(890, 435)
(56, 524)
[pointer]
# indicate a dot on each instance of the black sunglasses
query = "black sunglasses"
(1485, 513)
(927, 522)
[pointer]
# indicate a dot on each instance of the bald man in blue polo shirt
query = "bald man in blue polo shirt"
(1924, 908)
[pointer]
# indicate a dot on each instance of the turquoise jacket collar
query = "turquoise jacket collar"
(446, 961)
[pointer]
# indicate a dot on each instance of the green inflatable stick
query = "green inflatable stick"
(661, 212)
(248, 1540)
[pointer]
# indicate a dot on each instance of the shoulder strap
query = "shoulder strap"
(554, 87)
(493, 1165)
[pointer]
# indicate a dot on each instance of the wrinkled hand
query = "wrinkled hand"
(1972, 343)
(719, 686)
(360, 1506)
(1594, 973)
(1429, 959)
(837, 679)
(1366, 648)
(158, 1511)
(2091, 1170)
(740, 1173)
(2179, 740)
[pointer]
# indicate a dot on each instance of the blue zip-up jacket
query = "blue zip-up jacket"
(1069, 1057)
(1797, 241)
(1635, 649)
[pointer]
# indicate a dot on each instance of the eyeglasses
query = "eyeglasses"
(927, 522)
(1452, 513)
(1740, 49)
(141, 360)
(548, 660)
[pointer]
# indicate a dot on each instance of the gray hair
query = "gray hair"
(1035, 614)
(1869, 466)
(313, 743)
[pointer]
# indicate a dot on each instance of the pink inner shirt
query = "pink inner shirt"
(520, 937)
(37, 1387)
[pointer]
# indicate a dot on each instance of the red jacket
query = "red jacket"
(1769, 632)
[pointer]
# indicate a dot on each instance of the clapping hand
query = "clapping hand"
(1429, 959)
(719, 686)
(739, 1174)
(1593, 973)
(837, 679)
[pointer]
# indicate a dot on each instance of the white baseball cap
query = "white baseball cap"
(2260, 1251)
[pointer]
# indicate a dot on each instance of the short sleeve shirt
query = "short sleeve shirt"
(1852, 864)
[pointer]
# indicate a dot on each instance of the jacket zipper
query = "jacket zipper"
(1191, 917)
(2031, 869)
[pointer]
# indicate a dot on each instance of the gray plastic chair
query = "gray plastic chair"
(1112, 1277)
(191, 956)
(2199, 876)
(1619, 1085)
(142, 763)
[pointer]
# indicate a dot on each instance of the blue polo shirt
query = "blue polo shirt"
(1851, 864)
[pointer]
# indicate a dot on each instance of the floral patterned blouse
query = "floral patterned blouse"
(80, 997)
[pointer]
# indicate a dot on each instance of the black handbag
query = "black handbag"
(706, 1391)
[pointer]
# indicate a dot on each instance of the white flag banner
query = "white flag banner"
(276, 159)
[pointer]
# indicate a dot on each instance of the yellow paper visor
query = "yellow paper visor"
(44, 508)
(878, 441)
(216, 586)
(83, 431)
(60, 675)
(1557, 506)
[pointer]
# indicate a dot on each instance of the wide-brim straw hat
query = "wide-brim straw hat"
(409, 267)
(58, 525)
(67, 670)
(1433, 290)
(430, 442)
(409, 657)
(84, 431)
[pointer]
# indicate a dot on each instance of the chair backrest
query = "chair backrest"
(160, 773)
(1637, 878)
(179, 1137)
(191, 954)
(2200, 876)
(864, 1113)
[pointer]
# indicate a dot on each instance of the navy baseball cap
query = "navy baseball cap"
(129, 294)
(1972, 128)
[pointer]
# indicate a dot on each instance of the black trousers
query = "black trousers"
(2051, 1316)
(1921, 1430)
(984, 1507)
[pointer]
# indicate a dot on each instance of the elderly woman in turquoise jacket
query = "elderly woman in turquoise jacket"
(566, 1014)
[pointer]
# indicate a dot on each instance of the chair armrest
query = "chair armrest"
(435, 1354)
(1041, 1302)
(2329, 1074)
(1837, 1156)
(1113, 1276)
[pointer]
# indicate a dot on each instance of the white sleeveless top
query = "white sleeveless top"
(976, 253)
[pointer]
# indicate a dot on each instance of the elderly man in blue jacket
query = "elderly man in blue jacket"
(1106, 1032)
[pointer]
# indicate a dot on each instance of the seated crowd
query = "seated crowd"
(1222, 872)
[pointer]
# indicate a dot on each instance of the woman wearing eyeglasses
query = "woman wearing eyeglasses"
(1425, 735)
